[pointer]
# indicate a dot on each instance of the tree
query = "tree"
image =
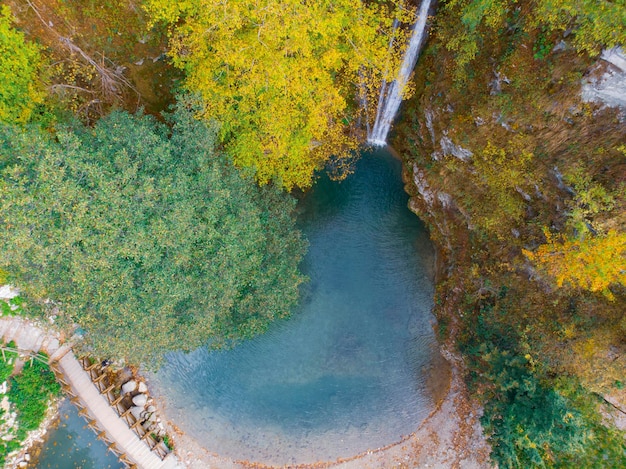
(20, 66)
(527, 423)
(148, 243)
(593, 262)
(282, 74)
(595, 24)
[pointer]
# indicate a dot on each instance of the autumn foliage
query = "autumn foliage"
(20, 69)
(282, 75)
(593, 263)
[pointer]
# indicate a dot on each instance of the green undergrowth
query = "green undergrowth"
(541, 356)
(12, 307)
(26, 401)
(532, 416)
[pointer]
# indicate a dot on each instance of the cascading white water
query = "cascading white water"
(391, 96)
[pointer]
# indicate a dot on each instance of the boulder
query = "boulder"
(129, 386)
(136, 411)
(7, 292)
(140, 400)
(142, 387)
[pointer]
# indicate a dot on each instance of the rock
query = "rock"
(496, 84)
(429, 124)
(449, 148)
(27, 457)
(610, 89)
(444, 199)
(616, 57)
(140, 400)
(419, 178)
(142, 387)
(561, 46)
(151, 408)
(22, 464)
(7, 292)
(136, 411)
(129, 386)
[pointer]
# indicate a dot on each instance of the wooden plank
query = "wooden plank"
(112, 428)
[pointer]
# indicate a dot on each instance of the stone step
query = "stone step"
(9, 333)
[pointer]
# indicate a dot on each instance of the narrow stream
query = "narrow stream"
(346, 373)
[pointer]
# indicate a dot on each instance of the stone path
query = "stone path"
(28, 336)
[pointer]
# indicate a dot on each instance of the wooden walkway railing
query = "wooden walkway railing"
(121, 404)
(131, 448)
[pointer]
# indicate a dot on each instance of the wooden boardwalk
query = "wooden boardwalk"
(123, 441)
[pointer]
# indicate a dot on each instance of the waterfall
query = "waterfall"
(391, 95)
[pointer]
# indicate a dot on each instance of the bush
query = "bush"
(30, 392)
(529, 424)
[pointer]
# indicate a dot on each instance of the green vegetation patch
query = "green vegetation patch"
(147, 235)
(26, 399)
(30, 392)
(531, 418)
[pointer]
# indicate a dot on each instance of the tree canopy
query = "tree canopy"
(148, 242)
(595, 24)
(281, 75)
(593, 262)
(20, 65)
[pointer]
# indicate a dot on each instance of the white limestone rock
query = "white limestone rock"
(8, 292)
(136, 411)
(140, 400)
(449, 148)
(129, 386)
(610, 88)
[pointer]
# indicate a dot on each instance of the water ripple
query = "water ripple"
(346, 372)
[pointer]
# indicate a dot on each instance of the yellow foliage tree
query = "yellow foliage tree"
(280, 75)
(20, 68)
(592, 263)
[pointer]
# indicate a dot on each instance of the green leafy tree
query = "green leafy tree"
(149, 242)
(282, 74)
(595, 24)
(474, 15)
(20, 67)
(529, 424)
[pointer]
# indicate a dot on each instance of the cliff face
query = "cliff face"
(523, 146)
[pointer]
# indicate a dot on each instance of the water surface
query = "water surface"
(346, 372)
(72, 445)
